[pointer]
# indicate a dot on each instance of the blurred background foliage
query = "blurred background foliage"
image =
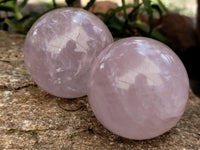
(125, 20)
(13, 19)
(121, 22)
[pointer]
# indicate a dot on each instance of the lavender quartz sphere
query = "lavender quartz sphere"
(138, 88)
(60, 48)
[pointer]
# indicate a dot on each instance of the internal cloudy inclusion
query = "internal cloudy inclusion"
(60, 48)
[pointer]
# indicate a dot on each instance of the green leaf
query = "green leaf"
(4, 1)
(148, 8)
(115, 24)
(155, 34)
(54, 3)
(135, 10)
(157, 8)
(9, 3)
(17, 12)
(89, 4)
(8, 6)
(124, 10)
(100, 14)
(5, 8)
(28, 25)
(23, 4)
(14, 25)
(11, 6)
(162, 6)
(112, 12)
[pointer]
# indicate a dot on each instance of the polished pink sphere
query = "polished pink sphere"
(138, 88)
(60, 48)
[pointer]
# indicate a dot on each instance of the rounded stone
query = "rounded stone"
(138, 88)
(60, 48)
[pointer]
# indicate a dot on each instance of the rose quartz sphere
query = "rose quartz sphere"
(60, 48)
(138, 88)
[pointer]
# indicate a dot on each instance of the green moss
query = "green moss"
(73, 135)
(11, 130)
(31, 132)
(34, 132)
